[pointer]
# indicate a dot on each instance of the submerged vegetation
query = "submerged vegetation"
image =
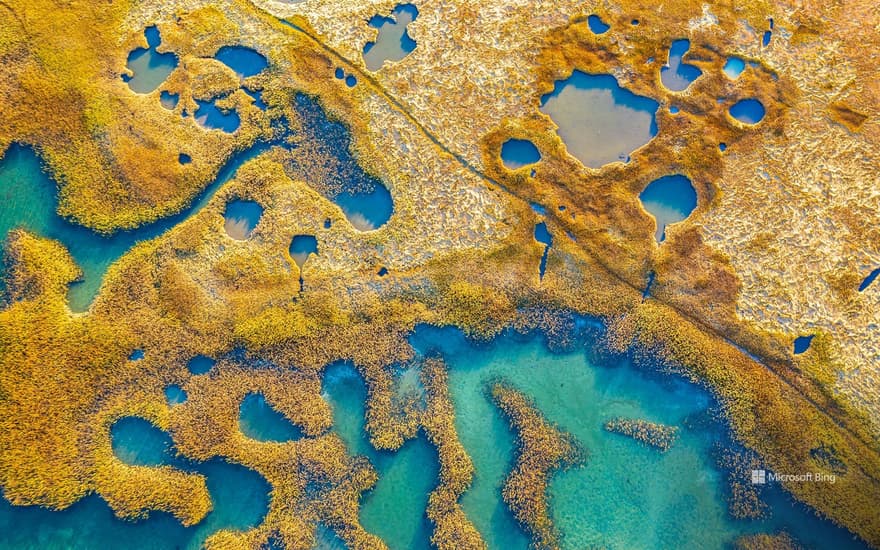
(650, 433)
(541, 449)
(375, 217)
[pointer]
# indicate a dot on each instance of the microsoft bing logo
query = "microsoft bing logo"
(759, 477)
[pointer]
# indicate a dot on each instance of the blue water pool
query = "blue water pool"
(259, 420)
(241, 218)
(516, 153)
(209, 116)
(363, 198)
(246, 62)
(599, 121)
(395, 508)
(301, 246)
(393, 42)
(676, 75)
(543, 236)
(669, 199)
(149, 67)
(627, 495)
(734, 67)
(748, 111)
(597, 26)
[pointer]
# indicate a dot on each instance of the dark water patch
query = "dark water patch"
(669, 199)
(676, 75)
(169, 100)
(259, 420)
(869, 279)
(768, 34)
(351, 81)
(339, 73)
(802, 343)
(363, 198)
(301, 246)
(393, 42)
(257, 96)
(542, 235)
(597, 26)
(30, 199)
(241, 218)
(734, 67)
(516, 153)
(748, 111)
(200, 364)
(647, 292)
(382, 272)
(136, 355)
(209, 116)
(175, 395)
(394, 509)
(634, 22)
(246, 62)
(183, 158)
(149, 68)
(673, 109)
(599, 121)
(328, 223)
(722, 147)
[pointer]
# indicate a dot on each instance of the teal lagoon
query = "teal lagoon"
(627, 495)
(30, 201)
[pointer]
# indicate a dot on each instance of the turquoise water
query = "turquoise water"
(627, 495)
(597, 26)
(149, 68)
(669, 199)
(29, 198)
(395, 508)
(748, 111)
(734, 67)
(246, 62)
(240, 499)
(301, 246)
(175, 395)
(393, 42)
(599, 121)
(676, 75)
(241, 218)
(257, 419)
(516, 153)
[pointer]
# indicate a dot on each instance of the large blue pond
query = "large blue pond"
(244, 61)
(393, 42)
(669, 199)
(149, 67)
(599, 121)
(677, 75)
